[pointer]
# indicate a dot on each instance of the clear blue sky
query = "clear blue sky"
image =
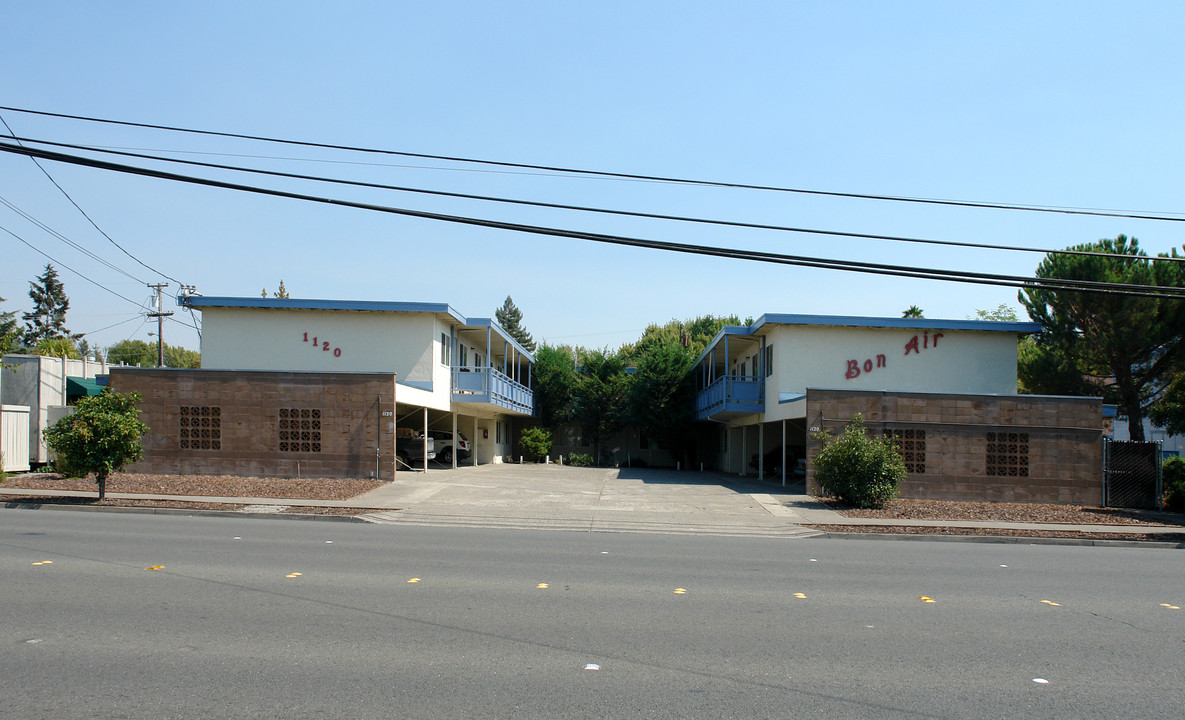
(1064, 104)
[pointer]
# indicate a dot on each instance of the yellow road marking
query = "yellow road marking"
(293, 575)
(1051, 603)
(414, 580)
(800, 596)
(680, 591)
(155, 567)
(923, 598)
(541, 586)
(1163, 605)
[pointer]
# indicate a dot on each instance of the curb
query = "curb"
(182, 511)
(999, 539)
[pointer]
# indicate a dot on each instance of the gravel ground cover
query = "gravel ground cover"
(203, 485)
(1009, 512)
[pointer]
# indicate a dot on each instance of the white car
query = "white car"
(444, 446)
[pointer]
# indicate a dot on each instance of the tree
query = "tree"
(554, 379)
(100, 436)
(10, 334)
(599, 398)
(282, 293)
(510, 318)
(1169, 411)
(140, 353)
(913, 311)
(47, 319)
(1002, 313)
(536, 441)
(661, 394)
(57, 347)
(1132, 342)
(859, 470)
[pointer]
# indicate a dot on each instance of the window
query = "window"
(477, 360)
(200, 428)
(445, 358)
(769, 360)
(742, 370)
(499, 432)
(300, 430)
(1007, 454)
(912, 446)
(464, 356)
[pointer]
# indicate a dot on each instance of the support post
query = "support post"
(456, 445)
(425, 440)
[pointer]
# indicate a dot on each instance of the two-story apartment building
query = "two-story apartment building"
(945, 389)
(325, 388)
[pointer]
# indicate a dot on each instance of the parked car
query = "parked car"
(444, 446)
(410, 448)
(773, 461)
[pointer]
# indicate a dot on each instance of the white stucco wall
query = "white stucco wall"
(407, 344)
(961, 361)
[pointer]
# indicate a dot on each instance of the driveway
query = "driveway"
(592, 499)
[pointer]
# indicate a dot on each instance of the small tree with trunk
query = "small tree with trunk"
(100, 436)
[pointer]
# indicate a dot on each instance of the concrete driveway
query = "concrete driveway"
(590, 499)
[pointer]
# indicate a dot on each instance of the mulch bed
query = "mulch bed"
(203, 485)
(995, 532)
(1009, 512)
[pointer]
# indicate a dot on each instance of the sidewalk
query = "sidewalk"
(600, 499)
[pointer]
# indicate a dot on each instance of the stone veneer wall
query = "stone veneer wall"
(1064, 450)
(355, 414)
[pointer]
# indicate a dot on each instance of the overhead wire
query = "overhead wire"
(84, 213)
(624, 176)
(7, 203)
(777, 258)
(583, 208)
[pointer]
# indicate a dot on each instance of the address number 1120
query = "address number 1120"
(324, 345)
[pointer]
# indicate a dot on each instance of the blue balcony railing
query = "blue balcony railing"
(487, 385)
(731, 393)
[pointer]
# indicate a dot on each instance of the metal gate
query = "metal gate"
(1132, 474)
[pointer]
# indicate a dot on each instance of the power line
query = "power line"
(79, 208)
(583, 208)
(624, 176)
(84, 277)
(776, 258)
(4, 201)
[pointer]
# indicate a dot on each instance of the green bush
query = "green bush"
(580, 460)
(1173, 482)
(535, 441)
(858, 470)
(100, 436)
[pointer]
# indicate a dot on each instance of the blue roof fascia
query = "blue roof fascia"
(489, 322)
(1023, 328)
(199, 302)
(726, 330)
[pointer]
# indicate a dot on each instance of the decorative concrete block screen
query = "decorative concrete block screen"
(1004, 448)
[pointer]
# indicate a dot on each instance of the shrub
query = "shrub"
(1173, 482)
(580, 460)
(100, 436)
(536, 441)
(860, 471)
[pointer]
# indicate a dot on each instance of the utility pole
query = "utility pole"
(160, 323)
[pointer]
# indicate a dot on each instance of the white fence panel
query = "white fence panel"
(14, 437)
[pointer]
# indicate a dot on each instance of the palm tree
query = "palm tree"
(913, 312)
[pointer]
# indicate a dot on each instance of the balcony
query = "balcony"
(489, 386)
(729, 396)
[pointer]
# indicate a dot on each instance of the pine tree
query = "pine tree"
(510, 318)
(10, 334)
(47, 319)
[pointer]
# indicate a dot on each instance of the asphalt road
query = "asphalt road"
(502, 623)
